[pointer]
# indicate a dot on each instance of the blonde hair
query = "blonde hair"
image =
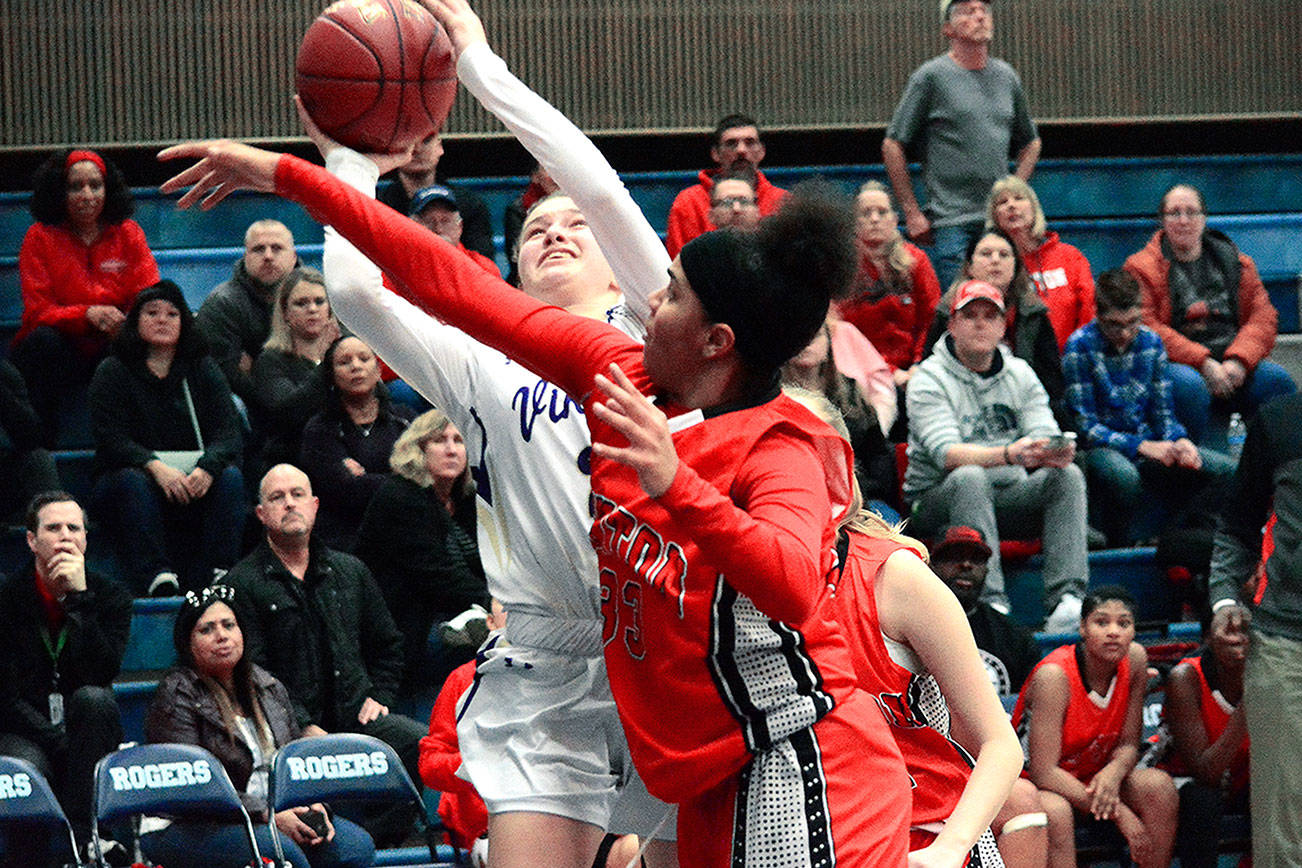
(1017, 187)
(857, 517)
(279, 337)
(899, 261)
(408, 458)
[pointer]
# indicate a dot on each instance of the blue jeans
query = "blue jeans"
(1193, 402)
(949, 249)
(1119, 489)
(149, 528)
(225, 845)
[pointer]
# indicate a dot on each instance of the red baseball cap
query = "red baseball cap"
(973, 290)
(960, 538)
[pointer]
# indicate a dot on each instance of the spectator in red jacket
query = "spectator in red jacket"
(81, 265)
(1060, 272)
(1205, 299)
(738, 148)
(896, 291)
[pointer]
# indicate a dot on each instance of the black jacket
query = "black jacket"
(235, 319)
(98, 621)
(184, 711)
(134, 413)
(405, 539)
(19, 424)
(328, 638)
(1266, 491)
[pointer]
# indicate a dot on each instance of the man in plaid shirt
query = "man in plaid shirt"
(1119, 388)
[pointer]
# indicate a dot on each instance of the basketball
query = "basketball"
(376, 75)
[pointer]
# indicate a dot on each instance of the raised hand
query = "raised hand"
(650, 449)
(459, 20)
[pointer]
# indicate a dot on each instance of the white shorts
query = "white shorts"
(538, 732)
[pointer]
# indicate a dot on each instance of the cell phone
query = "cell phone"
(316, 821)
(1058, 442)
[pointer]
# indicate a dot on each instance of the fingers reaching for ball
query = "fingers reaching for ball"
(460, 21)
(223, 167)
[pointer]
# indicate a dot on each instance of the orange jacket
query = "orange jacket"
(1258, 319)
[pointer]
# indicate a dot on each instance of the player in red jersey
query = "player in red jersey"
(913, 651)
(715, 506)
(1204, 714)
(1080, 717)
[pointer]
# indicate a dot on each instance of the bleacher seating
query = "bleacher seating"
(1105, 206)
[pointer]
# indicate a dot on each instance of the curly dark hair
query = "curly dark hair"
(50, 192)
(772, 285)
(808, 245)
(129, 346)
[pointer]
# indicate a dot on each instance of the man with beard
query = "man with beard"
(737, 148)
(961, 557)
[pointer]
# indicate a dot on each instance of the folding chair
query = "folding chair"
(26, 797)
(179, 780)
(341, 766)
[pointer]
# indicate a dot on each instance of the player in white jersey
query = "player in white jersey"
(538, 729)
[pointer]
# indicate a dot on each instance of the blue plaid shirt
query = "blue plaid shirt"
(1119, 399)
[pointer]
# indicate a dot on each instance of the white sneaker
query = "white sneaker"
(1065, 617)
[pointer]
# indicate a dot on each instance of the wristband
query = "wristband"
(1008, 459)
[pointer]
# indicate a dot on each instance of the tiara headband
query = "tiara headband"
(200, 599)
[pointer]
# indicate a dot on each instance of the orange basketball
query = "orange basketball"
(376, 75)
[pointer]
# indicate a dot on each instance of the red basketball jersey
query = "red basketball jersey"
(1093, 725)
(909, 700)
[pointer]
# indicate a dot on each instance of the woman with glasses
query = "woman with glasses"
(1205, 299)
(218, 699)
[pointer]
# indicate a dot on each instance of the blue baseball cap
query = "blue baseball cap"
(427, 196)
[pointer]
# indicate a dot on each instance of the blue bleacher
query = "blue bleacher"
(1104, 206)
(1133, 568)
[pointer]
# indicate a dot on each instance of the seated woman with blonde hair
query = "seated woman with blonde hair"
(1060, 273)
(419, 539)
(286, 387)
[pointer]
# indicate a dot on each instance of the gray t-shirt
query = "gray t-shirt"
(964, 125)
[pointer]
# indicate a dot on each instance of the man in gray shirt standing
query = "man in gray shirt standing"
(963, 114)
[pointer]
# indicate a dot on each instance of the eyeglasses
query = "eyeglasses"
(1187, 213)
(734, 202)
(220, 593)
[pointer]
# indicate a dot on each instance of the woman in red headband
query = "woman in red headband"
(81, 265)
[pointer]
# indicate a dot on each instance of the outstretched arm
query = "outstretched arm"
(565, 349)
(631, 246)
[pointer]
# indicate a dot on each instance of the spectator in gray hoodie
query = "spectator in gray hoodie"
(985, 452)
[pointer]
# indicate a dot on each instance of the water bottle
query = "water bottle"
(1234, 437)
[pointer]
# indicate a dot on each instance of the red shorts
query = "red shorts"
(834, 795)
